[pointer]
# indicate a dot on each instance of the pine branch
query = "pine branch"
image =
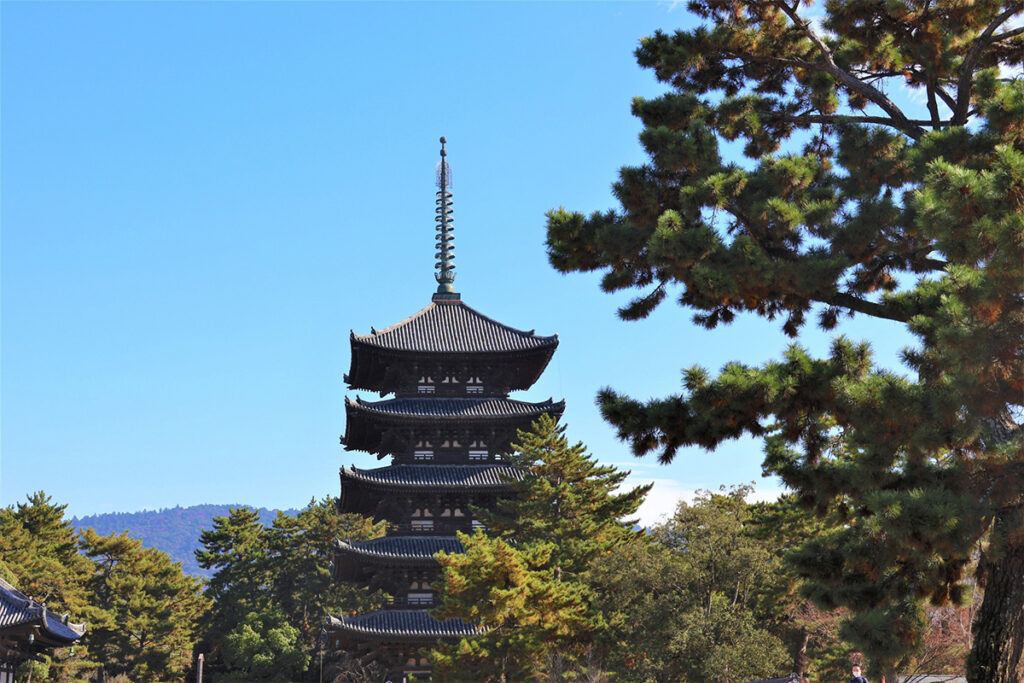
(933, 107)
(899, 119)
(858, 305)
(966, 80)
(845, 118)
(1007, 34)
(945, 97)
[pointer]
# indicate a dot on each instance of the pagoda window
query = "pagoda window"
(424, 444)
(422, 455)
(475, 454)
(474, 380)
(450, 380)
(422, 525)
(478, 444)
(425, 512)
(457, 512)
(477, 524)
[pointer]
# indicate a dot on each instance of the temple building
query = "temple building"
(28, 629)
(446, 428)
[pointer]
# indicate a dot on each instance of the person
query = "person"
(857, 678)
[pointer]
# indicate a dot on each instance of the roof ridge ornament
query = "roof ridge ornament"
(445, 245)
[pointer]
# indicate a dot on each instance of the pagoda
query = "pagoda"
(448, 424)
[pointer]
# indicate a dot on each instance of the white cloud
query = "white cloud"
(665, 495)
(662, 500)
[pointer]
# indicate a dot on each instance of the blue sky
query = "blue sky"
(201, 200)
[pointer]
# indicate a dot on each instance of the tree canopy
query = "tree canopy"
(850, 201)
(272, 589)
(527, 583)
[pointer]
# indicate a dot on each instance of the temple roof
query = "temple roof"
(402, 624)
(453, 327)
(454, 408)
(19, 610)
(436, 476)
(409, 548)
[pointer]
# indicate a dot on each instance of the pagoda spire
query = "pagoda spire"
(445, 255)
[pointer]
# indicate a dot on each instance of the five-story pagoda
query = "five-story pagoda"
(450, 370)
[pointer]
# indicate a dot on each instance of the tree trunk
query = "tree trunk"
(800, 662)
(999, 624)
(888, 672)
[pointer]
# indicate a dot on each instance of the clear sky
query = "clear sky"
(201, 200)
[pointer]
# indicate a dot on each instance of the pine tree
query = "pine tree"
(847, 204)
(49, 567)
(722, 633)
(817, 647)
(236, 549)
(527, 583)
(148, 609)
(272, 589)
(300, 552)
(39, 555)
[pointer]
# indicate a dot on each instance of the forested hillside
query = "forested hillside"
(173, 530)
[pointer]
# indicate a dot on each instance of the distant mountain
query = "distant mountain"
(173, 530)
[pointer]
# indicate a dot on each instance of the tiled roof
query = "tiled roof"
(455, 408)
(401, 547)
(403, 623)
(453, 327)
(17, 609)
(436, 476)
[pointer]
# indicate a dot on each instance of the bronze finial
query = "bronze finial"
(445, 255)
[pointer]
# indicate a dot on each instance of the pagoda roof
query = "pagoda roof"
(435, 408)
(405, 624)
(401, 548)
(434, 477)
(20, 612)
(450, 326)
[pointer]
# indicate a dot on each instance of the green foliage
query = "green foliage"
(264, 647)
(564, 498)
(846, 204)
(40, 549)
(722, 642)
(148, 609)
(39, 555)
(811, 633)
(513, 596)
(300, 557)
(272, 588)
(692, 600)
(236, 550)
(141, 610)
(527, 583)
(719, 555)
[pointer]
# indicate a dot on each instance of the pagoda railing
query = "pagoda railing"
(439, 528)
(405, 602)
